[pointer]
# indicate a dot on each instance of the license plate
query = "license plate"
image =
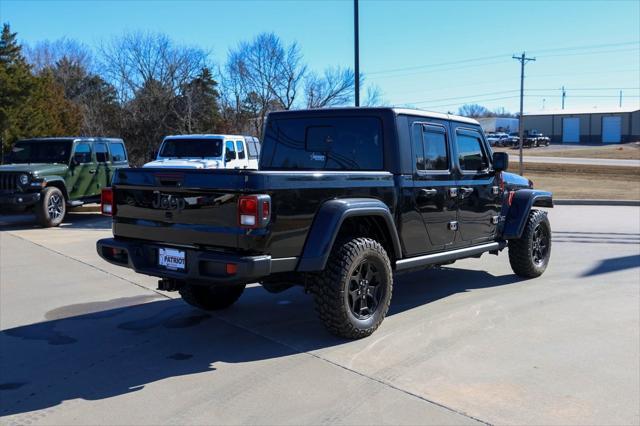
(172, 259)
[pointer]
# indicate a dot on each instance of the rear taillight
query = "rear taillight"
(107, 206)
(254, 211)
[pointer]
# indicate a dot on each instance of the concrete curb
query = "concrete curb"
(89, 208)
(569, 202)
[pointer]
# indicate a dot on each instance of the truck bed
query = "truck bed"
(199, 208)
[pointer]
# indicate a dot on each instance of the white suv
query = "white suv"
(208, 152)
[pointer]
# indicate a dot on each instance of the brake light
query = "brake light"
(254, 211)
(107, 206)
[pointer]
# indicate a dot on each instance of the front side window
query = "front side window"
(102, 155)
(471, 156)
(82, 153)
(230, 153)
(240, 149)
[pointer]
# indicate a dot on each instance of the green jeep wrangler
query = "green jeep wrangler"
(50, 174)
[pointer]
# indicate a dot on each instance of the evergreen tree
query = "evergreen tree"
(30, 106)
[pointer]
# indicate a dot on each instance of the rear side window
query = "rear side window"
(102, 155)
(471, 156)
(253, 146)
(117, 152)
(240, 149)
(82, 153)
(430, 147)
(331, 143)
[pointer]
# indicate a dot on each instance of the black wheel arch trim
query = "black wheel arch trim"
(328, 221)
(517, 213)
(58, 182)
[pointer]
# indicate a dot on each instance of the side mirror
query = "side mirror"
(74, 161)
(229, 155)
(500, 161)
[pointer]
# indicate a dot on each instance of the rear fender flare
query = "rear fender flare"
(517, 213)
(326, 226)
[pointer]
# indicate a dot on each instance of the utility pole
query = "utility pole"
(564, 95)
(620, 102)
(523, 60)
(356, 51)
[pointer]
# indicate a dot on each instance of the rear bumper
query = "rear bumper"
(20, 199)
(203, 266)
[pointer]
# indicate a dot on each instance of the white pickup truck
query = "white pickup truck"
(208, 152)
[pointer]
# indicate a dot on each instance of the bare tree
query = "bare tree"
(473, 110)
(46, 54)
(290, 71)
(373, 96)
(262, 75)
(334, 87)
(134, 60)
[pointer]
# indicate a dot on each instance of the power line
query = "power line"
(377, 77)
(599, 52)
(589, 46)
(467, 101)
(465, 97)
(484, 58)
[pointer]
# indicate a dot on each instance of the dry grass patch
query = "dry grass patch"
(630, 151)
(586, 182)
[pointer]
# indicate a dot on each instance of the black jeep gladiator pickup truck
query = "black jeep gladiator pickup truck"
(343, 198)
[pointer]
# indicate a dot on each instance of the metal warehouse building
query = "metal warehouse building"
(587, 125)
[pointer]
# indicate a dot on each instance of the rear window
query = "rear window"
(191, 148)
(349, 143)
(253, 146)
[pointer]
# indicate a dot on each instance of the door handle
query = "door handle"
(427, 193)
(92, 171)
(464, 191)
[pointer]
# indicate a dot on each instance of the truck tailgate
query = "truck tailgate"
(185, 207)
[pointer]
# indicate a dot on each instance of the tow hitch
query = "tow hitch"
(168, 284)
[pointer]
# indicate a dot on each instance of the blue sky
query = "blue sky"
(420, 53)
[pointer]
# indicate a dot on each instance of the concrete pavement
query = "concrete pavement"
(85, 342)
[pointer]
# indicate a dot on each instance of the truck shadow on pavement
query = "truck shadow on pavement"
(83, 221)
(100, 350)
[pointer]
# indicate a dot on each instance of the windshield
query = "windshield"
(191, 148)
(40, 152)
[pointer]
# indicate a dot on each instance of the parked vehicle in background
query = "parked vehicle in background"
(513, 140)
(492, 139)
(344, 198)
(501, 138)
(208, 152)
(50, 174)
(533, 138)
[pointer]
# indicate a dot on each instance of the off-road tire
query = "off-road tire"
(48, 215)
(211, 298)
(521, 251)
(331, 287)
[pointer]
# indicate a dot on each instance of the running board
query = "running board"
(446, 256)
